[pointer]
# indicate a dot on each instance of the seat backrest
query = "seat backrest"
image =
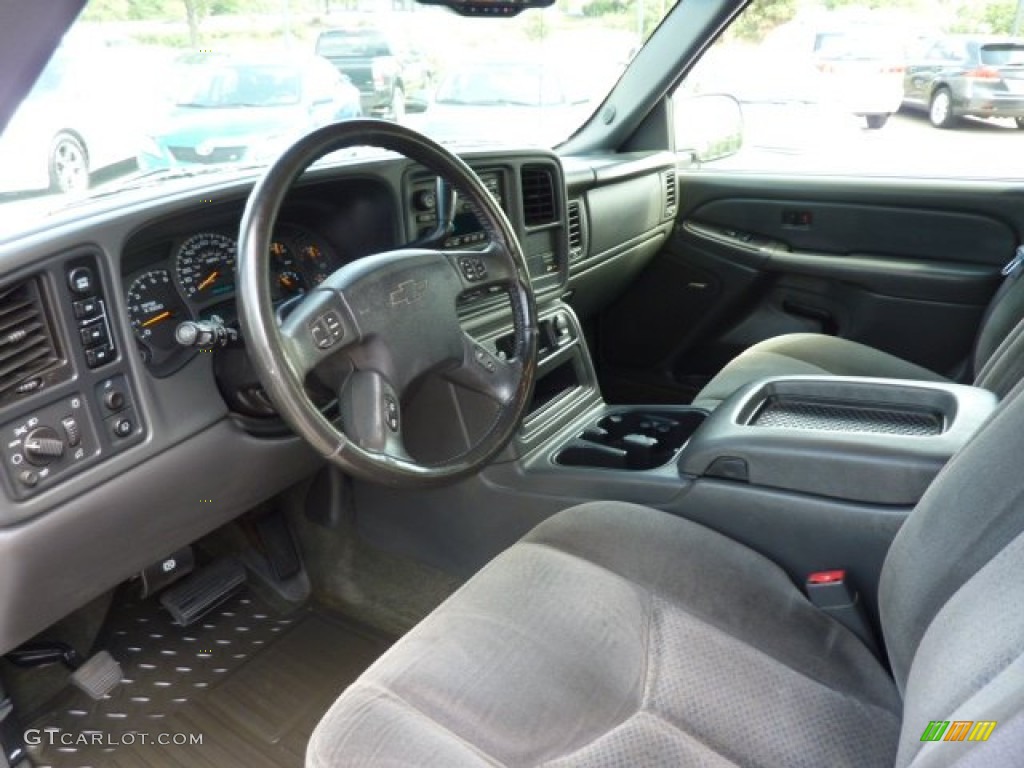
(1003, 315)
(952, 597)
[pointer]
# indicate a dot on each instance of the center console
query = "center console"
(878, 441)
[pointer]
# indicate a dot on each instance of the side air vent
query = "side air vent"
(538, 195)
(27, 350)
(670, 194)
(575, 231)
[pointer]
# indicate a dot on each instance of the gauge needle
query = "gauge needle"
(209, 280)
(286, 281)
(156, 319)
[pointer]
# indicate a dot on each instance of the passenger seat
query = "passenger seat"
(996, 364)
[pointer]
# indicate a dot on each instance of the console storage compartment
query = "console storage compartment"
(879, 441)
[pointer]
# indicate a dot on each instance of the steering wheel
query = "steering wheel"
(389, 319)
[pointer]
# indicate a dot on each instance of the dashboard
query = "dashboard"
(117, 436)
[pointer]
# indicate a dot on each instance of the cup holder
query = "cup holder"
(641, 439)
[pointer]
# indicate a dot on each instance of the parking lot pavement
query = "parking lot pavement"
(796, 139)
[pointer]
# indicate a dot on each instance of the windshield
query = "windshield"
(143, 92)
(239, 86)
(496, 86)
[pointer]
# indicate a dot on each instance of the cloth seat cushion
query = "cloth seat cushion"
(797, 354)
(617, 635)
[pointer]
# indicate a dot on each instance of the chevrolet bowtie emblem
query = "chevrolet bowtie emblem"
(408, 292)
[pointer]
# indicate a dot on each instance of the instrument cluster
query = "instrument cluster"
(197, 280)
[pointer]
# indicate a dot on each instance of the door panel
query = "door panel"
(904, 266)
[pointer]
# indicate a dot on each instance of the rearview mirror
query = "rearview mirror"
(493, 8)
(708, 126)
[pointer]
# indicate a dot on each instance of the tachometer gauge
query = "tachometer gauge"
(285, 277)
(206, 266)
(155, 309)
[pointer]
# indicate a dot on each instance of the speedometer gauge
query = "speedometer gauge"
(206, 266)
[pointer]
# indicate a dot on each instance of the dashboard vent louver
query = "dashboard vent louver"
(670, 194)
(538, 195)
(26, 345)
(575, 231)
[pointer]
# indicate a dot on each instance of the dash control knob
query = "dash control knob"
(42, 446)
(114, 400)
(424, 200)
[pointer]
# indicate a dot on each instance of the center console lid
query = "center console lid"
(878, 441)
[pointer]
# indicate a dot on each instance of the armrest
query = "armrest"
(878, 441)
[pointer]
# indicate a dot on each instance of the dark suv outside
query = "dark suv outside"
(959, 75)
(391, 78)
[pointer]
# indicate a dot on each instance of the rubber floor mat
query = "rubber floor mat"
(241, 689)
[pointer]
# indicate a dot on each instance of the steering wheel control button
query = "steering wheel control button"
(71, 431)
(391, 412)
(321, 337)
(81, 281)
(327, 330)
(333, 323)
(473, 268)
(484, 360)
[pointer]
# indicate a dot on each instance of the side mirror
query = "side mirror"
(709, 126)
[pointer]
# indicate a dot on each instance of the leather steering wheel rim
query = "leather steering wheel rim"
(350, 306)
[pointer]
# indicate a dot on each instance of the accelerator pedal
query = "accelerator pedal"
(205, 589)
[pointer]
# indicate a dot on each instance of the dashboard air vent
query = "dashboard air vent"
(670, 194)
(27, 350)
(575, 231)
(538, 195)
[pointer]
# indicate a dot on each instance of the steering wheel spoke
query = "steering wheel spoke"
(371, 414)
(483, 372)
(318, 328)
(483, 269)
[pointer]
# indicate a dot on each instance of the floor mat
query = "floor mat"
(241, 688)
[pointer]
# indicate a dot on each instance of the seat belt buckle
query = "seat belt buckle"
(830, 592)
(828, 589)
(1012, 269)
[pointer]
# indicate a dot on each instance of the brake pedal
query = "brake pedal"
(203, 590)
(98, 676)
